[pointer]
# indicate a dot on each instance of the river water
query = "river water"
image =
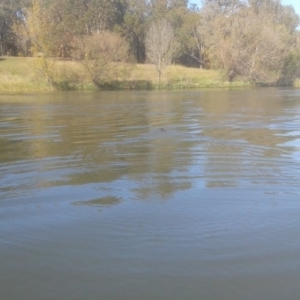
(150, 195)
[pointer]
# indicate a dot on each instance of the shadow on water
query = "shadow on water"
(126, 85)
(103, 201)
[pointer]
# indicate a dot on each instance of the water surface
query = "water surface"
(150, 195)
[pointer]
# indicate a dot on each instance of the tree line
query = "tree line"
(251, 40)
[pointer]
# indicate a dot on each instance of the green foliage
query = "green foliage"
(290, 70)
(12, 13)
(134, 26)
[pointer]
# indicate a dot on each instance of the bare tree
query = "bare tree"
(160, 46)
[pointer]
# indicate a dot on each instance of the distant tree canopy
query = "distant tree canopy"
(255, 40)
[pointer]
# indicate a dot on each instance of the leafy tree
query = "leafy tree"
(12, 12)
(134, 27)
(251, 42)
(225, 7)
(191, 37)
(54, 24)
(291, 68)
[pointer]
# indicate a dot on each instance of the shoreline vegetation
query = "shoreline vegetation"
(143, 45)
(24, 74)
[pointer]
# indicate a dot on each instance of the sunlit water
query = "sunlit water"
(150, 195)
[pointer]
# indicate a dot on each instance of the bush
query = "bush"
(104, 55)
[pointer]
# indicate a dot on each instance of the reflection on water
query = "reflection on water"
(197, 190)
(222, 139)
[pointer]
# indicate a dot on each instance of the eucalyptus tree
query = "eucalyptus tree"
(225, 7)
(12, 13)
(139, 16)
(54, 24)
(133, 28)
(192, 40)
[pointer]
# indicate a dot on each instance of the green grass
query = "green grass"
(19, 74)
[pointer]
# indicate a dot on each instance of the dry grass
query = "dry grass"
(18, 74)
(176, 76)
(297, 82)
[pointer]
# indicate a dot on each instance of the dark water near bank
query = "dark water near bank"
(150, 195)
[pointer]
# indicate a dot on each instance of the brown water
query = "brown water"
(150, 195)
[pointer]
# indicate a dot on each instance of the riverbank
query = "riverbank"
(19, 74)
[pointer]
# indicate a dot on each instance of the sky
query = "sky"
(295, 3)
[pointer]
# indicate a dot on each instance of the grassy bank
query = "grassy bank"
(18, 74)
